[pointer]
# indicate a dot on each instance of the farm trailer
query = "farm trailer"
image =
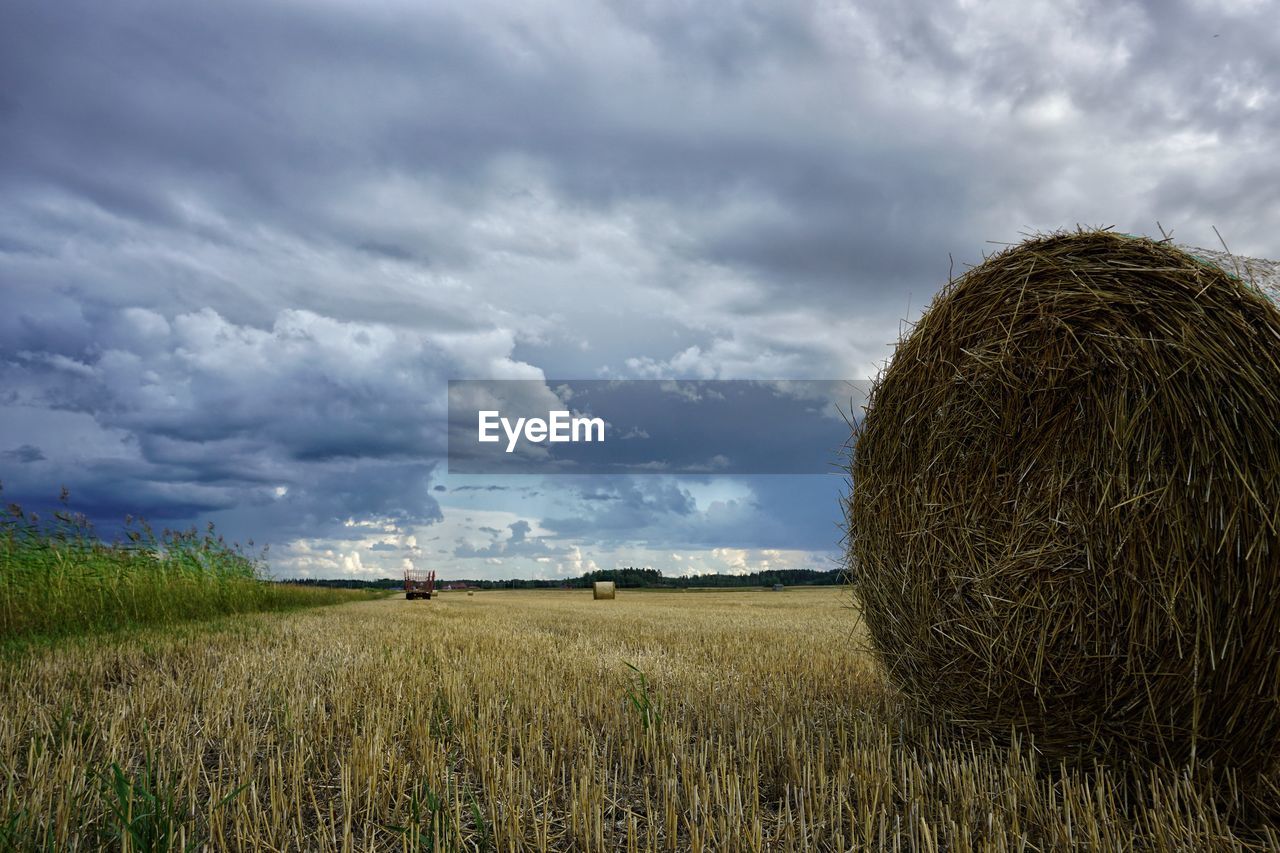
(419, 584)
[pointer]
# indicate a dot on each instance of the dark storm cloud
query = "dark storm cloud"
(248, 102)
(26, 453)
(304, 425)
(244, 245)
(243, 106)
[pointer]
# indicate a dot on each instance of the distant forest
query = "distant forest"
(627, 578)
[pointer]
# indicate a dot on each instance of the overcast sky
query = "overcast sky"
(244, 245)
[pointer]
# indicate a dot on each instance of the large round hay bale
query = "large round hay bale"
(1065, 501)
(603, 590)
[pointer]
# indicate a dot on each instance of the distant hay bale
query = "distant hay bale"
(603, 590)
(470, 593)
(1065, 501)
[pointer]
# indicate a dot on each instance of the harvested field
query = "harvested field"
(515, 721)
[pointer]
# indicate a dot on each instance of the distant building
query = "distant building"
(777, 587)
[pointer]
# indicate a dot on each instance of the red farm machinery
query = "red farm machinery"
(419, 584)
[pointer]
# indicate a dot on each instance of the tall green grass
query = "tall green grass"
(58, 578)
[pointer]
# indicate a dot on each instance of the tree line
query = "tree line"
(630, 577)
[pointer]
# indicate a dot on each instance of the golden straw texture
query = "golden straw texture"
(1065, 502)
